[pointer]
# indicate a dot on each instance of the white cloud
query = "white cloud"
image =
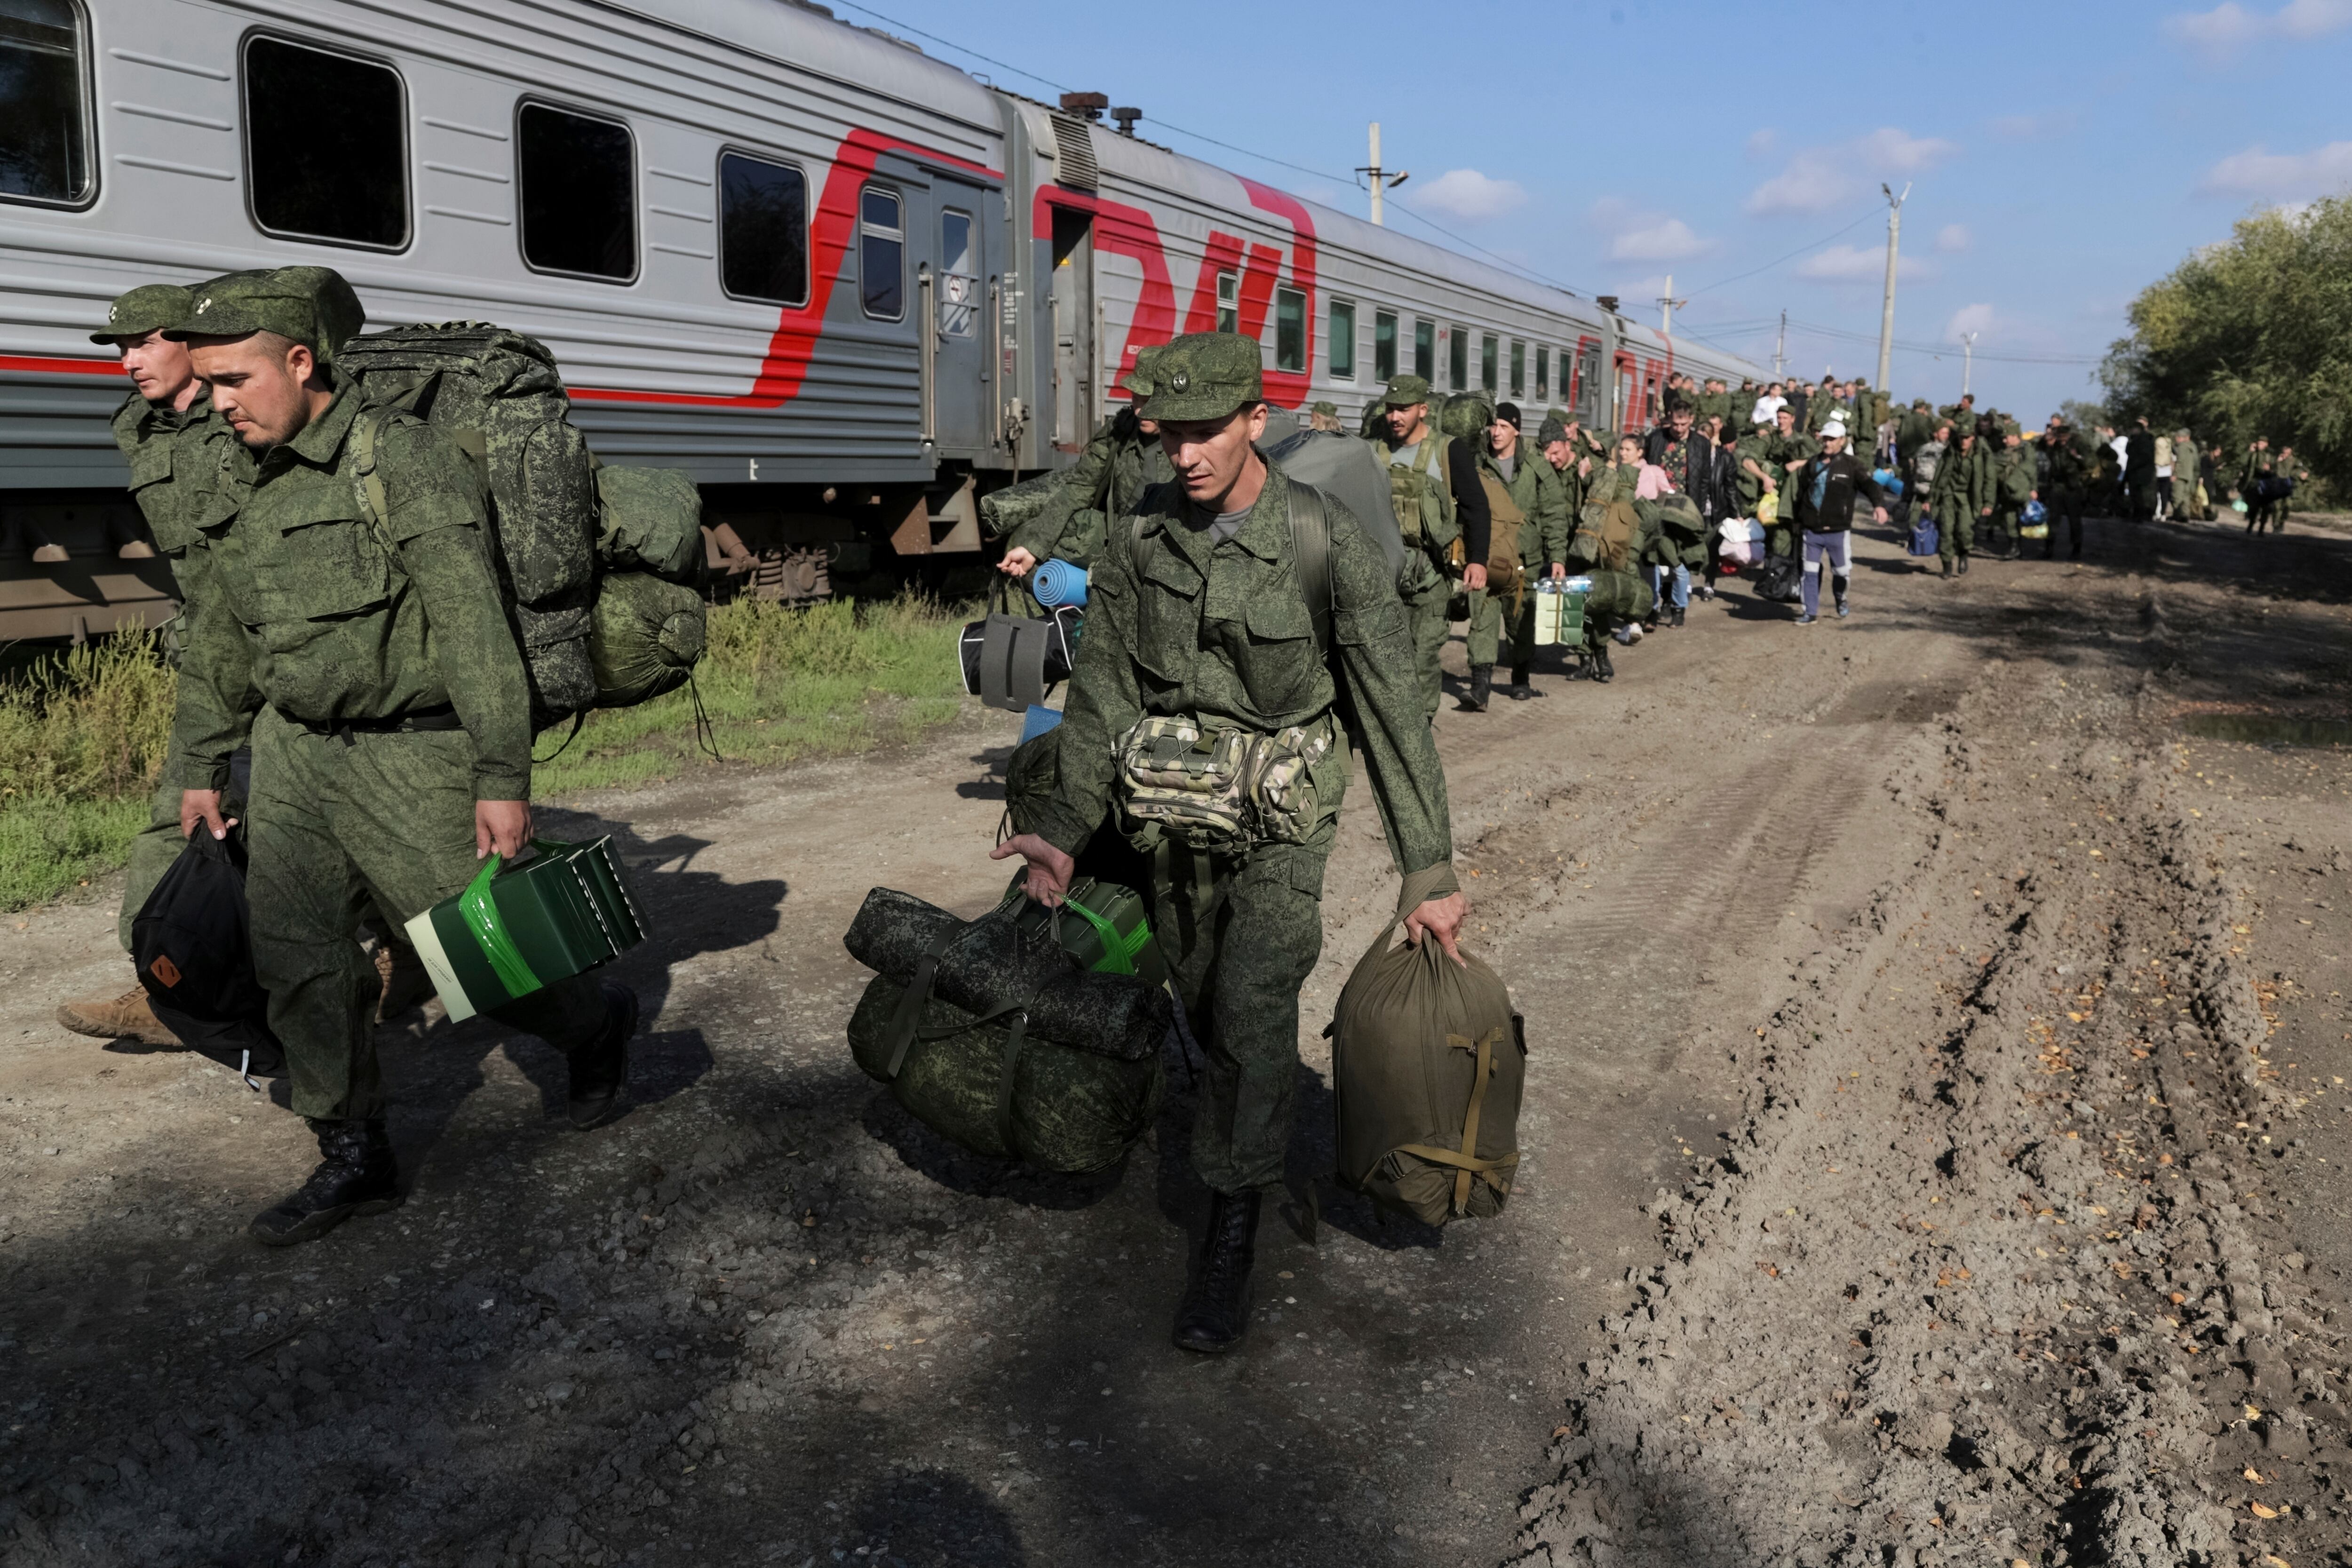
(1852, 264)
(2259, 172)
(1636, 235)
(1817, 179)
(1469, 195)
(1763, 144)
(2227, 28)
(1966, 320)
(1952, 238)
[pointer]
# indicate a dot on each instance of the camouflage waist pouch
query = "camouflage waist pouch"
(1221, 789)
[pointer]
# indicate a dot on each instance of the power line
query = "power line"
(1842, 334)
(1768, 267)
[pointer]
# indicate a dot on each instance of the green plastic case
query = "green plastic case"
(518, 929)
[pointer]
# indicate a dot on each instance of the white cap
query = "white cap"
(1834, 427)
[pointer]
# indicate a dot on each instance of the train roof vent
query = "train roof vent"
(1074, 153)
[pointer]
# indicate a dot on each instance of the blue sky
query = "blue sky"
(2062, 155)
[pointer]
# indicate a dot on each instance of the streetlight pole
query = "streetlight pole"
(1886, 310)
(1967, 360)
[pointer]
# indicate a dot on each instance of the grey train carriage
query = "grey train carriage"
(847, 286)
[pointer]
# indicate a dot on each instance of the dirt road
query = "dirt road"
(1936, 1152)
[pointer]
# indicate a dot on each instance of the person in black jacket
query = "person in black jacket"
(1826, 488)
(1725, 498)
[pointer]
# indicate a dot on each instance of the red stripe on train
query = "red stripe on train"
(40, 364)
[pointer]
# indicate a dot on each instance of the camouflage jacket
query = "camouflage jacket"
(331, 619)
(175, 462)
(2014, 476)
(1222, 632)
(2070, 467)
(1963, 479)
(1534, 485)
(1043, 515)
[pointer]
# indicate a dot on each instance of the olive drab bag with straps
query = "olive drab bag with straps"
(1428, 1062)
(556, 522)
(1421, 495)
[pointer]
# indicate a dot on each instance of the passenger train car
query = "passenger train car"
(847, 286)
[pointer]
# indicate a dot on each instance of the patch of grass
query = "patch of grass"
(779, 685)
(82, 737)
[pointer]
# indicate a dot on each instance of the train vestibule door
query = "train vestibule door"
(963, 373)
(1073, 296)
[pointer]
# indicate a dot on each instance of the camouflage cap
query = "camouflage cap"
(145, 309)
(1203, 376)
(314, 305)
(1406, 391)
(1324, 405)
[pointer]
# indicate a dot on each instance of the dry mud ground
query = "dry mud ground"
(1936, 1151)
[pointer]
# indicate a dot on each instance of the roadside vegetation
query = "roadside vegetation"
(83, 736)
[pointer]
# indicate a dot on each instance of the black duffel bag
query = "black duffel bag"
(1782, 578)
(192, 942)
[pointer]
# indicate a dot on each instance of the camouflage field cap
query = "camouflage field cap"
(144, 309)
(1324, 405)
(1406, 391)
(314, 305)
(1202, 375)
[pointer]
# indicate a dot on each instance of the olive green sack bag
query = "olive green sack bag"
(1428, 1063)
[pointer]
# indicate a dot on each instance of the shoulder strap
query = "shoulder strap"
(367, 439)
(1310, 546)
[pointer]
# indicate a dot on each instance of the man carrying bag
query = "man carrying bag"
(1226, 613)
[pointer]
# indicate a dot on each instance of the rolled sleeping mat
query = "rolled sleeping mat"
(1057, 582)
(989, 962)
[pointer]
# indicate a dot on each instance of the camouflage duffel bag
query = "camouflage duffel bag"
(992, 1088)
(1617, 598)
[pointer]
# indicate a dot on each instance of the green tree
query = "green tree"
(2250, 337)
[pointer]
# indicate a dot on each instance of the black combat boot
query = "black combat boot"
(600, 1069)
(1947, 566)
(356, 1175)
(1964, 563)
(1678, 616)
(1522, 685)
(1482, 687)
(1215, 1309)
(1602, 669)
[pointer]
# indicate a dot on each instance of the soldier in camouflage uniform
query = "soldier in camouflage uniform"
(1197, 614)
(1433, 481)
(390, 717)
(2013, 485)
(1061, 515)
(1788, 451)
(2068, 476)
(1535, 487)
(1961, 493)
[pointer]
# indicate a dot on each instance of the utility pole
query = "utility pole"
(1780, 350)
(1967, 360)
(1382, 179)
(1886, 311)
(1666, 306)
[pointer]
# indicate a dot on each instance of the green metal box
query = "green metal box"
(519, 928)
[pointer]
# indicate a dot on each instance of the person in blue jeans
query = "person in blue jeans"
(1827, 488)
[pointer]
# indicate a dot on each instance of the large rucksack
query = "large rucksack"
(1351, 471)
(555, 520)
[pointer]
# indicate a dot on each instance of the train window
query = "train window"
(881, 254)
(1543, 371)
(1385, 344)
(1457, 360)
(763, 230)
(44, 101)
(326, 145)
(1424, 349)
(1518, 368)
(1229, 301)
(1489, 352)
(1342, 339)
(958, 275)
(1289, 330)
(579, 192)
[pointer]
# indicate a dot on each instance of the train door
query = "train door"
(1073, 296)
(962, 378)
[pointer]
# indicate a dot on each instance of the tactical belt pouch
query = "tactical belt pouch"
(1221, 789)
(1011, 661)
(519, 929)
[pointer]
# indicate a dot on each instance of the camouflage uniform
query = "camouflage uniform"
(388, 695)
(175, 456)
(1962, 489)
(2062, 493)
(1423, 585)
(1535, 487)
(1220, 631)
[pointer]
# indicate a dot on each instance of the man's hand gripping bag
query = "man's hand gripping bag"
(1428, 1061)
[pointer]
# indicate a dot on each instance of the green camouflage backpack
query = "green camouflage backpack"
(556, 516)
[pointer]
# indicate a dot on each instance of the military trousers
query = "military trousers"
(1956, 525)
(2065, 507)
(1240, 933)
(1424, 612)
(330, 821)
(1489, 609)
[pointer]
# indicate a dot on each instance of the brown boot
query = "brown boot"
(407, 983)
(124, 1016)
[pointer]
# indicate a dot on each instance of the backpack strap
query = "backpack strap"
(1310, 547)
(367, 442)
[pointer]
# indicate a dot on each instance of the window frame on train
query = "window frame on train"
(1425, 348)
(1518, 367)
(959, 318)
(1384, 350)
(251, 134)
(1490, 363)
(1289, 331)
(765, 160)
(870, 234)
(1229, 301)
(523, 106)
(1339, 340)
(82, 150)
(1543, 373)
(1457, 359)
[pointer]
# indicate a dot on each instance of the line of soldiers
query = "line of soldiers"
(362, 655)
